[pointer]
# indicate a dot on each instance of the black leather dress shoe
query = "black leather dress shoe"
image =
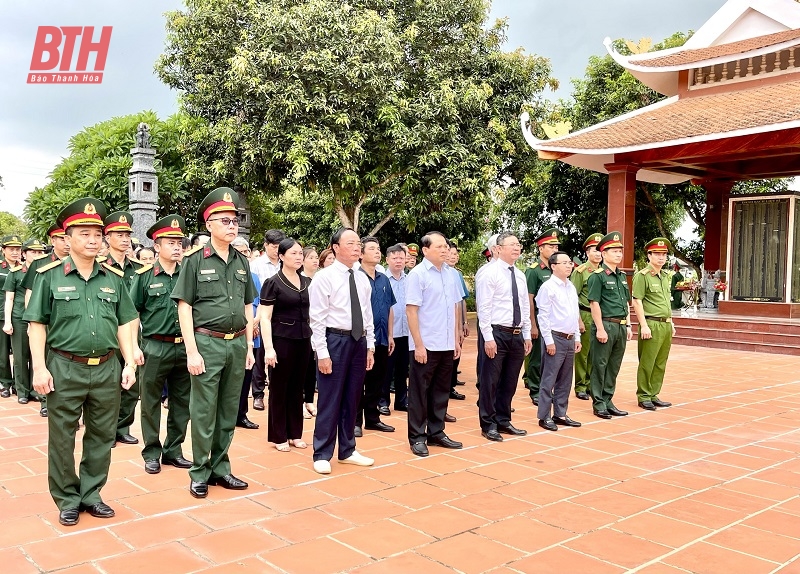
(647, 405)
(444, 441)
(602, 414)
(583, 396)
(566, 422)
(5, 393)
(448, 418)
(228, 481)
(660, 403)
(127, 439)
(380, 426)
(258, 404)
(43, 412)
(98, 510)
(178, 462)
(614, 411)
(511, 429)
(384, 410)
(492, 435)
(419, 449)
(152, 466)
(69, 517)
(460, 383)
(358, 432)
(246, 423)
(198, 489)
(535, 401)
(22, 400)
(401, 408)
(457, 396)
(548, 424)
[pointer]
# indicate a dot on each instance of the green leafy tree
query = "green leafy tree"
(391, 109)
(553, 193)
(10, 224)
(98, 164)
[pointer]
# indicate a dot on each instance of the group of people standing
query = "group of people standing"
(212, 327)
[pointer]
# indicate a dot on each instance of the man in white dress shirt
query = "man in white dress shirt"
(505, 325)
(264, 267)
(560, 328)
(343, 337)
(432, 296)
(397, 366)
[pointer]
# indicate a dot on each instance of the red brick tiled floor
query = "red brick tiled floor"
(709, 485)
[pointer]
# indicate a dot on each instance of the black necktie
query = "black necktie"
(357, 329)
(515, 296)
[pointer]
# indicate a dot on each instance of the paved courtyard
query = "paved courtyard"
(710, 485)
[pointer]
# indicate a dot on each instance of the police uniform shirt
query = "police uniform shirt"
(654, 291)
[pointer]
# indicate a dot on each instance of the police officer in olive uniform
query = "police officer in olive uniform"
(117, 233)
(163, 348)
(12, 253)
(412, 251)
(580, 278)
(18, 329)
(608, 299)
(535, 275)
(651, 302)
(214, 293)
(80, 310)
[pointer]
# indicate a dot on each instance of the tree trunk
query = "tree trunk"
(383, 221)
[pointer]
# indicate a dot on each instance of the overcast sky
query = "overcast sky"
(36, 121)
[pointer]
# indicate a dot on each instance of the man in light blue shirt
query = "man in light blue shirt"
(397, 366)
(432, 296)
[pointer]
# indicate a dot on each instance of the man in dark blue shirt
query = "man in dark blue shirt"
(382, 314)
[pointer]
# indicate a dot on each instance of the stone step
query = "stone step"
(761, 325)
(734, 345)
(742, 335)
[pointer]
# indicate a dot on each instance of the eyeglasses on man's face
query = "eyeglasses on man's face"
(226, 221)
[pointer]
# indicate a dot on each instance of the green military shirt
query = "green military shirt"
(5, 270)
(535, 275)
(28, 279)
(150, 291)
(580, 278)
(129, 267)
(654, 291)
(216, 290)
(82, 315)
(13, 284)
(610, 289)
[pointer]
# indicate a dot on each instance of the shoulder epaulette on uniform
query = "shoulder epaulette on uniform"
(144, 269)
(113, 269)
(644, 271)
(17, 268)
(193, 250)
(100, 258)
(49, 266)
(135, 261)
(580, 268)
(598, 270)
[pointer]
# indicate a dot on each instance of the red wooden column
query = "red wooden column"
(715, 255)
(622, 206)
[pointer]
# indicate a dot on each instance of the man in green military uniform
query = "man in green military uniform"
(651, 302)
(117, 233)
(162, 347)
(611, 330)
(12, 253)
(14, 326)
(580, 278)
(214, 293)
(60, 250)
(80, 311)
(677, 295)
(535, 275)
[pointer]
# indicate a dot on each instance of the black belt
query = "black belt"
(616, 320)
(166, 339)
(512, 330)
(343, 332)
(659, 319)
(93, 361)
(219, 334)
(567, 336)
(584, 308)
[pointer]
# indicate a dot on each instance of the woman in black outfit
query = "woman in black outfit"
(310, 266)
(286, 336)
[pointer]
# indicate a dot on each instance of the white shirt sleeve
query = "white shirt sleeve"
(544, 306)
(318, 294)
